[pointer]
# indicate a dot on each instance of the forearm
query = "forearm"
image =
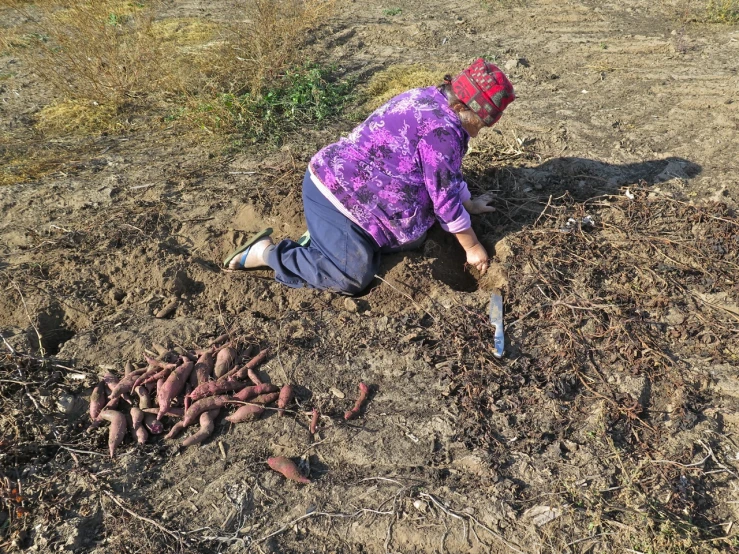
(467, 238)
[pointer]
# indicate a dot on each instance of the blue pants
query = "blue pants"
(341, 257)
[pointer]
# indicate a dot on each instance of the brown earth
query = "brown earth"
(608, 426)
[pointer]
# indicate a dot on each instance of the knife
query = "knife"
(496, 320)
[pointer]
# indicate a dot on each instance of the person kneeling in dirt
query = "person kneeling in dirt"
(381, 188)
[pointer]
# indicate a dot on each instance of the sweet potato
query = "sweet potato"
(175, 430)
(163, 373)
(97, 400)
(250, 392)
(173, 386)
(207, 424)
(212, 388)
(363, 394)
(125, 385)
(286, 395)
(314, 421)
(142, 435)
(265, 398)
(137, 417)
(144, 397)
(254, 376)
(182, 398)
(245, 413)
(152, 423)
(242, 373)
(288, 468)
(110, 381)
(128, 368)
(203, 368)
(204, 405)
(224, 361)
(141, 379)
(137, 425)
(117, 428)
(218, 340)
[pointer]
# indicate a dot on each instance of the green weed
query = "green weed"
(722, 11)
(389, 12)
(304, 95)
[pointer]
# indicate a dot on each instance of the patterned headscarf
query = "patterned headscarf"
(484, 89)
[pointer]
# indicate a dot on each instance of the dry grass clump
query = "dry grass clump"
(400, 78)
(79, 117)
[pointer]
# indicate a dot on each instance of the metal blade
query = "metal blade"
(496, 320)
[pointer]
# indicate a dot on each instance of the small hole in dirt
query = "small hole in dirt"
(53, 330)
(449, 263)
(451, 271)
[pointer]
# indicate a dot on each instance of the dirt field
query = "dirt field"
(610, 425)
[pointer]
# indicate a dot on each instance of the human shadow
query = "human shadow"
(521, 193)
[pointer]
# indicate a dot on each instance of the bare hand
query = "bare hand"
(477, 256)
(479, 205)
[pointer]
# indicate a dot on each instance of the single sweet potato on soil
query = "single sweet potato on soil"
(245, 413)
(363, 394)
(224, 361)
(288, 468)
(286, 395)
(117, 428)
(207, 424)
(314, 421)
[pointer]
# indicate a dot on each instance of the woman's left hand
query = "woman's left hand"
(479, 205)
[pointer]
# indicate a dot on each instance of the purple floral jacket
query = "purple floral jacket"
(400, 170)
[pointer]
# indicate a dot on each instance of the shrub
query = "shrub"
(101, 50)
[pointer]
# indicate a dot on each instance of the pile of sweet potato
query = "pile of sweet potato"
(192, 386)
(189, 386)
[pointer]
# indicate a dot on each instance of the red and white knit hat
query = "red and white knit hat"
(484, 89)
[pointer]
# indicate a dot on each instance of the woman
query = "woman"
(381, 188)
